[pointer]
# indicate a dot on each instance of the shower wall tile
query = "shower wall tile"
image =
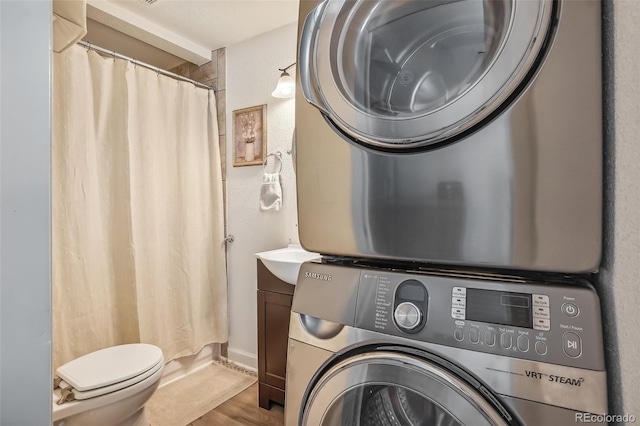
(222, 67)
(223, 156)
(205, 72)
(182, 70)
(221, 100)
(212, 83)
(219, 57)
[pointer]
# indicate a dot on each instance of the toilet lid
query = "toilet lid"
(111, 365)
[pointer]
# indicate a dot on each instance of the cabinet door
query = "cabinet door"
(274, 310)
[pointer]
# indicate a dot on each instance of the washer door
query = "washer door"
(408, 74)
(395, 389)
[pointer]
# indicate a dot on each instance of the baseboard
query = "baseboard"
(178, 368)
(243, 358)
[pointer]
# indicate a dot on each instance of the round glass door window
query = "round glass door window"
(387, 406)
(392, 73)
(394, 389)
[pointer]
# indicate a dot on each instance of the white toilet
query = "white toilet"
(110, 386)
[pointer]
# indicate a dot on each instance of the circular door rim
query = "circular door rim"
(531, 22)
(334, 383)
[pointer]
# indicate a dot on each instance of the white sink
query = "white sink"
(285, 263)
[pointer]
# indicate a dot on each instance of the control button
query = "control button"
(474, 335)
(541, 347)
(541, 312)
(523, 343)
(505, 340)
(458, 302)
(457, 313)
(407, 316)
(459, 292)
(490, 337)
(570, 310)
(458, 334)
(541, 324)
(572, 344)
(540, 300)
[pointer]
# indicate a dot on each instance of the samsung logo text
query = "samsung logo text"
(316, 276)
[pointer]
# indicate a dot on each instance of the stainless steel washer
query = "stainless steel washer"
(375, 347)
(456, 132)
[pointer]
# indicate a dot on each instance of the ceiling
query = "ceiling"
(191, 29)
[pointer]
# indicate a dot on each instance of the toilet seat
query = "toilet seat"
(111, 369)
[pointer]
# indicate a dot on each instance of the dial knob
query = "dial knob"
(407, 316)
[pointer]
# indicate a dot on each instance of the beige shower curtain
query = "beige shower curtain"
(138, 234)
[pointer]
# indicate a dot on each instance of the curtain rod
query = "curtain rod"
(90, 46)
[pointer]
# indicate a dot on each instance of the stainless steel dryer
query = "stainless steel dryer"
(451, 132)
(373, 347)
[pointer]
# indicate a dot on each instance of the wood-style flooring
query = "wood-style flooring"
(243, 410)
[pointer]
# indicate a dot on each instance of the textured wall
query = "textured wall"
(619, 288)
(252, 73)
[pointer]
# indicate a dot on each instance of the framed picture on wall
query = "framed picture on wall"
(249, 136)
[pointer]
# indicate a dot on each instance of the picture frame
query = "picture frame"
(250, 136)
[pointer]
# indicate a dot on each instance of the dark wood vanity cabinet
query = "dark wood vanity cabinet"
(274, 308)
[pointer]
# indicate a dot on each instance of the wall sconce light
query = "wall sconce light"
(286, 87)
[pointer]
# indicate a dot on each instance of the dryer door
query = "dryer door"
(395, 389)
(395, 75)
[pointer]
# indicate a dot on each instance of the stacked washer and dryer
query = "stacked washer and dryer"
(449, 170)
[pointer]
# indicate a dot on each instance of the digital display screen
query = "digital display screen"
(411, 292)
(499, 307)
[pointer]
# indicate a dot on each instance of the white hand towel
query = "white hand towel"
(270, 193)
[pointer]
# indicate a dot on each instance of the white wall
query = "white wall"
(25, 279)
(619, 284)
(252, 73)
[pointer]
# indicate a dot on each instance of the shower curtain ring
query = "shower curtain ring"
(88, 47)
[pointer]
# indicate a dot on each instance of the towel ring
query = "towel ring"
(277, 155)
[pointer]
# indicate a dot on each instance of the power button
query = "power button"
(570, 310)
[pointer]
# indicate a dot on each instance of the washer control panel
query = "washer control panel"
(508, 318)
(551, 323)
